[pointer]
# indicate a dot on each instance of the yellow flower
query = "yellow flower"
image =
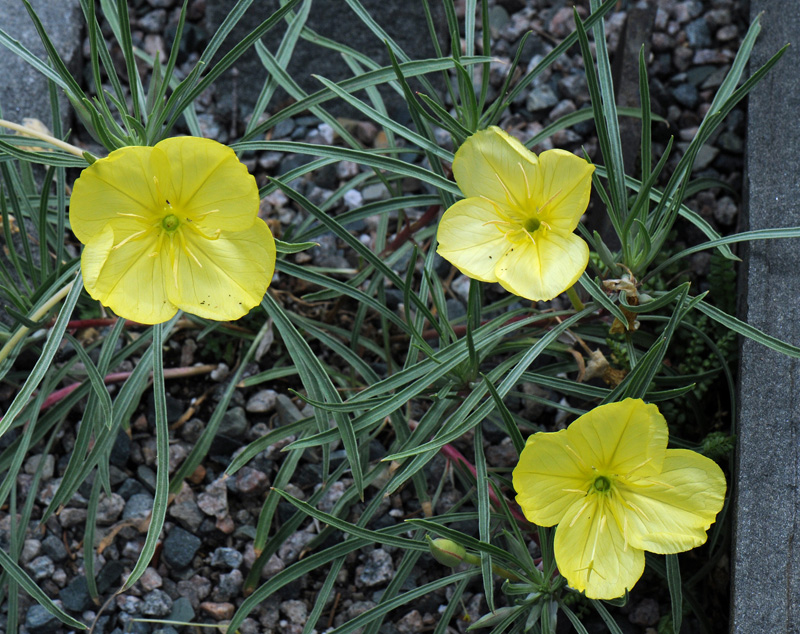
(172, 227)
(516, 224)
(614, 490)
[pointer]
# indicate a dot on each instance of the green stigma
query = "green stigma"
(602, 484)
(532, 224)
(170, 222)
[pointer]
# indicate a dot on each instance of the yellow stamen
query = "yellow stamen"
(529, 235)
(525, 176)
(175, 270)
(133, 236)
(637, 510)
(188, 251)
(158, 245)
(597, 534)
(625, 533)
(637, 467)
(509, 196)
(548, 201)
(578, 514)
(577, 455)
(650, 481)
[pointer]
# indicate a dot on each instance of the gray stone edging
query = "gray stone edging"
(765, 595)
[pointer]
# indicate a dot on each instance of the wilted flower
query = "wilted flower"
(171, 227)
(516, 224)
(614, 490)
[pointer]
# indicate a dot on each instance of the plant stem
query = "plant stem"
(67, 147)
(38, 314)
(577, 304)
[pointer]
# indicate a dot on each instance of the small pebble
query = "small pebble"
(296, 611)
(109, 509)
(156, 603)
(262, 401)
(138, 507)
(378, 568)
(273, 566)
(218, 611)
(180, 548)
(220, 373)
(41, 567)
(214, 501)
(150, 580)
(228, 587)
(250, 481)
(226, 558)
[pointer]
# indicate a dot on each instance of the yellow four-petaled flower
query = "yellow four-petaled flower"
(614, 490)
(516, 224)
(170, 227)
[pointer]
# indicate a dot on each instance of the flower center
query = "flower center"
(601, 484)
(532, 224)
(170, 223)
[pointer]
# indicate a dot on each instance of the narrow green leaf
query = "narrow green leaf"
(484, 521)
(228, 59)
(374, 77)
(594, 288)
(161, 495)
(747, 330)
(318, 384)
(95, 379)
(352, 529)
(21, 577)
(386, 121)
(508, 420)
(611, 624)
(675, 590)
(43, 362)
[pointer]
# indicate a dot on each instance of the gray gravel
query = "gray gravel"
(207, 545)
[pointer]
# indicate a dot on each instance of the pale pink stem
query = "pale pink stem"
(117, 377)
(453, 454)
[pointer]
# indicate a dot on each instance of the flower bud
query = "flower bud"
(447, 552)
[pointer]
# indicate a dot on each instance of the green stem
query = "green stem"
(475, 560)
(577, 304)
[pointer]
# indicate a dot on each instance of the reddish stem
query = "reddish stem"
(410, 229)
(453, 454)
(118, 377)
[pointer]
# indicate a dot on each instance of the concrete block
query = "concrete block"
(766, 556)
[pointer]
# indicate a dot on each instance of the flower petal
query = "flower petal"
(549, 478)
(671, 512)
(126, 278)
(629, 437)
(542, 270)
(121, 183)
(561, 188)
(591, 552)
(229, 276)
(206, 176)
(494, 164)
(468, 239)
